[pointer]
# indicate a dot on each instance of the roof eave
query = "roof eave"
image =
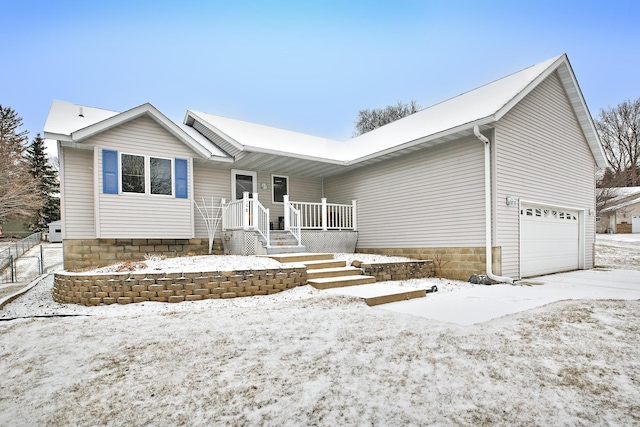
(190, 117)
(252, 149)
(433, 137)
(137, 112)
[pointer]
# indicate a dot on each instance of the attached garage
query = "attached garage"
(550, 240)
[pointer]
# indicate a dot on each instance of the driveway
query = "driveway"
(483, 303)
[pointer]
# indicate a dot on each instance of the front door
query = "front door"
(242, 181)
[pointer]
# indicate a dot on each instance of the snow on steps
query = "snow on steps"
(325, 272)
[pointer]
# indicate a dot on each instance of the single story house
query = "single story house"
(620, 211)
(498, 180)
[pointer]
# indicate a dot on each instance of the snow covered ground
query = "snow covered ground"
(308, 357)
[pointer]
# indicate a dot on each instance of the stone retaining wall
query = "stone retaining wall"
(455, 262)
(399, 270)
(84, 253)
(131, 287)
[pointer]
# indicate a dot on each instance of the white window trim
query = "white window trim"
(235, 172)
(273, 189)
(147, 175)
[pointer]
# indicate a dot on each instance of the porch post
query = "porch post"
(324, 213)
(254, 212)
(222, 214)
(245, 210)
(287, 219)
(354, 216)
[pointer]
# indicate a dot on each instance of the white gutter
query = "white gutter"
(487, 207)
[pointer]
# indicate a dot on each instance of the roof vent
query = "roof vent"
(81, 113)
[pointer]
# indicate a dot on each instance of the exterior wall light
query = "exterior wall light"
(512, 201)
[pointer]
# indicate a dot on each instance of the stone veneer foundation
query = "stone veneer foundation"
(398, 270)
(457, 263)
(81, 254)
(132, 287)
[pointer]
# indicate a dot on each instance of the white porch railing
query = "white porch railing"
(292, 221)
(247, 214)
(325, 216)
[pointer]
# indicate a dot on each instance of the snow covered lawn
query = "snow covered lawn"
(307, 357)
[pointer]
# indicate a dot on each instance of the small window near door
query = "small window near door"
(280, 185)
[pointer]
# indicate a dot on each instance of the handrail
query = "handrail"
(292, 222)
(247, 214)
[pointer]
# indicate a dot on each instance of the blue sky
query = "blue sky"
(305, 66)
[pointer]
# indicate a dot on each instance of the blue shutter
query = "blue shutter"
(110, 171)
(182, 179)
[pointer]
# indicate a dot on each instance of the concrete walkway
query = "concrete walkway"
(483, 303)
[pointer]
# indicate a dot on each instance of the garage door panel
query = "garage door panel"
(549, 240)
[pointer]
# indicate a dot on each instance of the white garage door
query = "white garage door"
(550, 240)
(635, 224)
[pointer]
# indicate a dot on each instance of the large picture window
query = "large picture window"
(280, 186)
(144, 175)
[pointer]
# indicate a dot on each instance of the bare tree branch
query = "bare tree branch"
(369, 120)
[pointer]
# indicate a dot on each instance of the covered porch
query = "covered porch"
(247, 228)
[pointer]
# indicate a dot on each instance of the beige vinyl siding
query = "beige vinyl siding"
(78, 218)
(541, 155)
(208, 182)
(143, 215)
(431, 198)
(301, 189)
(142, 136)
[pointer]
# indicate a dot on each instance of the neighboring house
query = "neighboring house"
(502, 176)
(621, 210)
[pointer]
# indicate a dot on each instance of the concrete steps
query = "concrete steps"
(319, 273)
(282, 242)
(380, 293)
(340, 281)
(325, 272)
(301, 257)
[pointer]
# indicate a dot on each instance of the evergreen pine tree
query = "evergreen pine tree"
(48, 185)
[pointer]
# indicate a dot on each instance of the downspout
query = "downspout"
(487, 208)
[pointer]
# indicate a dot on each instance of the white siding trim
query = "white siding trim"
(191, 198)
(63, 199)
(97, 169)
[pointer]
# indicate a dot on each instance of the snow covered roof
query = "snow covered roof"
(74, 123)
(620, 197)
(433, 125)
(252, 146)
(254, 137)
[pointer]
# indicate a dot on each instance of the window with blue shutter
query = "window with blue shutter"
(110, 171)
(182, 179)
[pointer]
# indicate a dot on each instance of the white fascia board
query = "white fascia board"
(583, 114)
(251, 149)
(134, 113)
(467, 126)
(57, 136)
(76, 145)
(190, 116)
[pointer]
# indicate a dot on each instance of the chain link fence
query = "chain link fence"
(12, 252)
